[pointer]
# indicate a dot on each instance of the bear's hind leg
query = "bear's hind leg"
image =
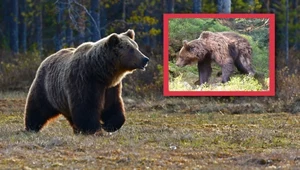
(204, 69)
(113, 115)
(37, 113)
(243, 64)
(70, 120)
(227, 69)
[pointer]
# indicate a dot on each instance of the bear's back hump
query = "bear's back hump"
(83, 49)
(52, 71)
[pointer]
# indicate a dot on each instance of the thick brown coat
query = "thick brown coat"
(84, 85)
(227, 49)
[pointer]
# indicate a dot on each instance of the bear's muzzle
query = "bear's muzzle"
(144, 63)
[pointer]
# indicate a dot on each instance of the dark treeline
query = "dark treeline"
(48, 26)
(30, 30)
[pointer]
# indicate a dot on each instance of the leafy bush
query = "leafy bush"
(190, 29)
(236, 83)
(260, 56)
(20, 72)
(146, 83)
(288, 86)
(179, 85)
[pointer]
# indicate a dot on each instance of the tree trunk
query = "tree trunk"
(23, 26)
(287, 33)
(95, 21)
(81, 25)
(39, 28)
(224, 6)
(196, 6)
(59, 27)
(295, 22)
(170, 6)
(69, 36)
(14, 30)
(251, 5)
(124, 10)
(103, 20)
(6, 18)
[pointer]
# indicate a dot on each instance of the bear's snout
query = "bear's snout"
(180, 63)
(145, 61)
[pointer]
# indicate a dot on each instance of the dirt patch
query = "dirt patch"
(12, 105)
(198, 105)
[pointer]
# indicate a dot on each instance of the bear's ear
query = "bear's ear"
(113, 39)
(185, 43)
(130, 33)
(204, 35)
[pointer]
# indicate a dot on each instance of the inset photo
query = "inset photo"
(219, 54)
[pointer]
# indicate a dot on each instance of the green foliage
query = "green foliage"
(280, 8)
(260, 56)
(236, 83)
(144, 15)
(108, 3)
(19, 73)
(245, 6)
(183, 70)
(258, 29)
(4, 43)
(288, 86)
(191, 28)
(241, 83)
(179, 85)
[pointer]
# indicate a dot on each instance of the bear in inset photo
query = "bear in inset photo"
(84, 84)
(227, 49)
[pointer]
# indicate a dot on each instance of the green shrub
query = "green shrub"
(236, 83)
(20, 72)
(179, 85)
(189, 29)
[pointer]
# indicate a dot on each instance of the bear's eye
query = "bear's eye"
(192, 48)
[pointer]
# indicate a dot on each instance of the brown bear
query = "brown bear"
(84, 85)
(225, 48)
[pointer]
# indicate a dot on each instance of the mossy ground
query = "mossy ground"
(153, 139)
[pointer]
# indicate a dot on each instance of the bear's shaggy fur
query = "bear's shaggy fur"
(84, 85)
(225, 48)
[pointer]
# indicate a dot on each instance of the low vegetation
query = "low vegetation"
(18, 72)
(236, 83)
(153, 137)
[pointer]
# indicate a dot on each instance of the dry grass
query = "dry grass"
(154, 139)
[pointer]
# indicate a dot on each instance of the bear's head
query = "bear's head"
(127, 50)
(191, 52)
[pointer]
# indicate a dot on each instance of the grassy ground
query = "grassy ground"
(187, 79)
(153, 139)
(236, 83)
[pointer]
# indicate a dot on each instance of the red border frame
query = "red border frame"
(270, 92)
